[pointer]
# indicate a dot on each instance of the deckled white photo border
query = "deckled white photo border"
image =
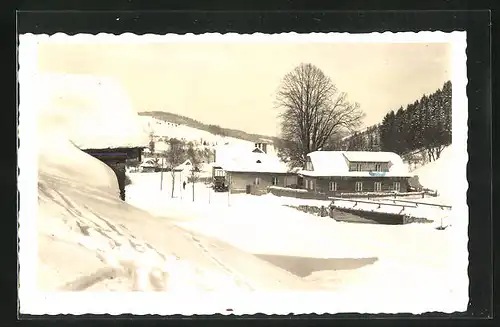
(34, 302)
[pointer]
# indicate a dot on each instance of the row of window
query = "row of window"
(257, 181)
(359, 167)
(377, 186)
(332, 186)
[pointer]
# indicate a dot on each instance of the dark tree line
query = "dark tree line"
(422, 125)
(367, 140)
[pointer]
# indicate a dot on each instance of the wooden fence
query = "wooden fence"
(297, 193)
(308, 195)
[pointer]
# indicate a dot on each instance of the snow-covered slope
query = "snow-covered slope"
(81, 216)
(162, 129)
(439, 175)
(93, 112)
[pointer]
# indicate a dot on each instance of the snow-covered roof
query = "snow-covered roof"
(264, 140)
(336, 163)
(185, 165)
(151, 162)
(369, 156)
(258, 166)
(240, 158)
(94, 112)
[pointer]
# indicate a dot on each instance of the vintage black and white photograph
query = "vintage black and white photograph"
(243, 173)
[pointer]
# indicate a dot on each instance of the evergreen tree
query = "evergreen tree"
(400, 127)
(446, 103)
(423, 125)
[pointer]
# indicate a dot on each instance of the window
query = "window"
(311, 185)
(332, 186)
(378, 167)
(397, 186)
(309, 166)
(257, 181)
(378, 187)
(358, 167)
(275, 180)
(359, 187)
(307, 184)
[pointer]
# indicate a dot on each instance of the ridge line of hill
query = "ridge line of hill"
(214, 129)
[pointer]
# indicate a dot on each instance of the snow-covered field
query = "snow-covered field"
(401, 262)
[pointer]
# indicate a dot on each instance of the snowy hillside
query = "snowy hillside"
(439, 175)
(163, 130)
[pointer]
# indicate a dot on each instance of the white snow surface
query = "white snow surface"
(439, 175)
(81, 216)
(92, 111)
(336, 163)
(255, 162)
(399, 266)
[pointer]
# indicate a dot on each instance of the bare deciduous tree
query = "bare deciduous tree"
(174, 157)
(314, 112)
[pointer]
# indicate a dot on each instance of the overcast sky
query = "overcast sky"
(234, 85)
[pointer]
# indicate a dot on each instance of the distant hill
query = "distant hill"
(214, 129)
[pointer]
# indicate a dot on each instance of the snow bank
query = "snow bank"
(80, 214)
(93, 112)
(439, 175)
(399, 266)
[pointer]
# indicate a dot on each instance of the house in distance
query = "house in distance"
(336, 172)
(251, 171)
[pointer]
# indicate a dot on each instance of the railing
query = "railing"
(356, 201)
(442, 206)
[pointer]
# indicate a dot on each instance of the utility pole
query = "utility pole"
(209, 193)
(161, 174)
(180, 183)
(192, 180)
(228, 190)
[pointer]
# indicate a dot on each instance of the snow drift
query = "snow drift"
(439, 175)
(80, 215)
(92, 112)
